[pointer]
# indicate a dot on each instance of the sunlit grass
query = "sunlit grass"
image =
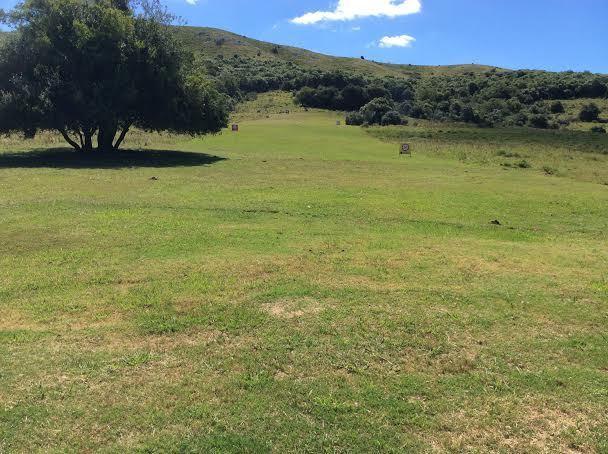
(310, 291)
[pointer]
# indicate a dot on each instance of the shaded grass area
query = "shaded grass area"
(70, 159)
(311, 291)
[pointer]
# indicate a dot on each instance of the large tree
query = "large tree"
(94, 69)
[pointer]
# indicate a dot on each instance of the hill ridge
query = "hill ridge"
(215, 41)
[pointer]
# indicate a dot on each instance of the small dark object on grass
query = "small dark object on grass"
(598, 130)
(549, 170)
(523, 164)
(495, 222)
(154, 178)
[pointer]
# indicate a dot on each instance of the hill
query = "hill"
(215, 42)
(242, 67)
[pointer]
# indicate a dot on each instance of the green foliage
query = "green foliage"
(86, 68)
(352, 97)
(355, 119)
(376, 109)
(539, 121)
(470, 94)
(557, 107)
(392, 117)
(589, 112)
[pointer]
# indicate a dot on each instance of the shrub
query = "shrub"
(391, 118)
(306, 97)
(352, 98)
(598, 129)
(355, 119)
(378, 91)
(405, 108)
(468, 115)
(589, 112)
(374, 110)
(557, 107)
(539, 121)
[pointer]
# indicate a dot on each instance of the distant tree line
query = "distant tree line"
(495, 97)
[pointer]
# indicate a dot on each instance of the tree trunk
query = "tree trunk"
(121, 137)
(105, 137)
(69, 140)
(88, 141)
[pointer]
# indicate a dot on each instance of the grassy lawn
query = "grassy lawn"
(300, 287)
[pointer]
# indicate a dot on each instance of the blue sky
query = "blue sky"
(543, 34)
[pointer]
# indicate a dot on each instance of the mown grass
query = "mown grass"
(310, 291)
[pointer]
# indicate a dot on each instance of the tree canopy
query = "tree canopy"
(95, 69)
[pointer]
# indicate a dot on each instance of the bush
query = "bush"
(306, 97)
(355, 119)
(598, 129)
(589, 112)
(352, 98)
(557, 107)
(468, 115)
(405, 108)
(391, 118)
(539, 121)
(374, 110)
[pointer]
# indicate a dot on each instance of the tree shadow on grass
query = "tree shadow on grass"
(60, 158)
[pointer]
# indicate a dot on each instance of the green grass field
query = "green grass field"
(298, 286)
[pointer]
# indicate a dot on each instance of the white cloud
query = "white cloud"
(355, 9)
(396, 41)
(191, 2)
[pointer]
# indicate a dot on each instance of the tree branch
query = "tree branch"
(123, 133)
(68, 139)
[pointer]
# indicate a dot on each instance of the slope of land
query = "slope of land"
(211, 41)
(298, 286)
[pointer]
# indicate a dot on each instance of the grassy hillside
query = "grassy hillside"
(298, 286)
(211, 41)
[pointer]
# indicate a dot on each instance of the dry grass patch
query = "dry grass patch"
(293, 308)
